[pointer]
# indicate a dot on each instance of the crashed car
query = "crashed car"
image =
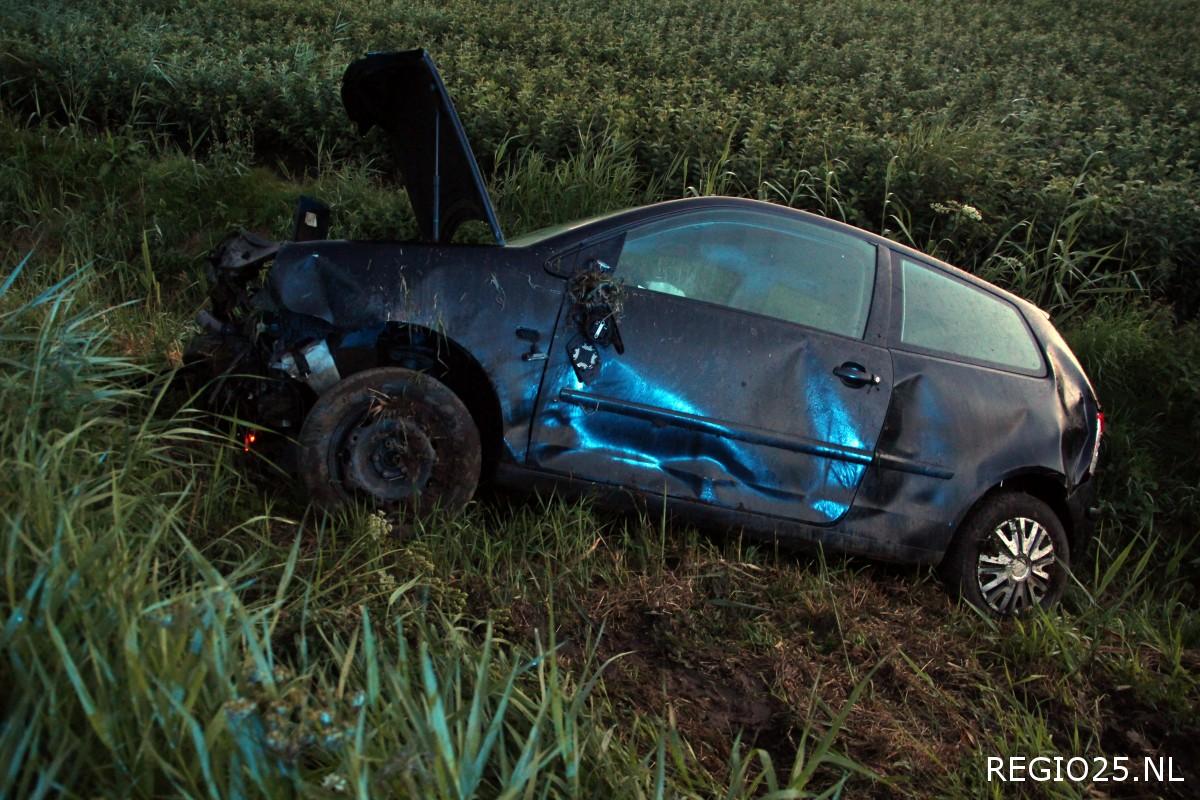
(747, 364)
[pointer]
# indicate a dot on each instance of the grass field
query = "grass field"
(175, 623)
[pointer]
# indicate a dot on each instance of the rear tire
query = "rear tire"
(1009, 555)
(396, 438)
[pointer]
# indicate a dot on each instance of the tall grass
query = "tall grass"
(600, 175)
(1055, 271)
(1146, 369)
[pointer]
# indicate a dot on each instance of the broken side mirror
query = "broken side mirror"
(597, 297)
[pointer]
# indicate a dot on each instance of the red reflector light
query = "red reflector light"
(249, 439)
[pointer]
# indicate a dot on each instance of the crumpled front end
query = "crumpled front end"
(238, 365)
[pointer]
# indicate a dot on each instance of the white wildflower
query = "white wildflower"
(335, 783)
(378, 526)
(955, 208)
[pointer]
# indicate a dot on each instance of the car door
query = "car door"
(736, 370)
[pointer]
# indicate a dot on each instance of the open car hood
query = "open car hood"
(403, 94)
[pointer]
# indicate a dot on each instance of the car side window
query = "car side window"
(946, 315)
(764, 263)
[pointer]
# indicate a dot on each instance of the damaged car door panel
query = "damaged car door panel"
(746, 363)
(709, 401)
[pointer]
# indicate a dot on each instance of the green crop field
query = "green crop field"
(174, 621)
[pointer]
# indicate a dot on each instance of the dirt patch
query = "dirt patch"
(1139, 731)
(710, 692)
(730, 649)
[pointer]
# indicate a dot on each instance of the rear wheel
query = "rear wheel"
(394, 437)
(1010, 555)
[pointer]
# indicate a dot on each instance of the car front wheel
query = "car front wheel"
(1010, 555)
(397, 438)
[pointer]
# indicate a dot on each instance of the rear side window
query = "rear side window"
(760, 262)
(949, 316)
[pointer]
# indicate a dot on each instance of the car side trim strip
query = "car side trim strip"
(899, 464)
(719, 427)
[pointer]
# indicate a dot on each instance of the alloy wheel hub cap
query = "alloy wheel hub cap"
(1018, 569)
(1015, 564)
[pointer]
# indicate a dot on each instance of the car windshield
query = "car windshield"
(542, 234)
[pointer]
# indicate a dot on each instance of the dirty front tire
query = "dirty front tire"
(394, 437)
(1009, 554)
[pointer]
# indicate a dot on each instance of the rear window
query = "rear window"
(946, 315)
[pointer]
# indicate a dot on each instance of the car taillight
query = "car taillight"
(1099, 436)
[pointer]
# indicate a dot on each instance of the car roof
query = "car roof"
(606, 222)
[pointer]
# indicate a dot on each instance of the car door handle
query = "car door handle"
(855, 375)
